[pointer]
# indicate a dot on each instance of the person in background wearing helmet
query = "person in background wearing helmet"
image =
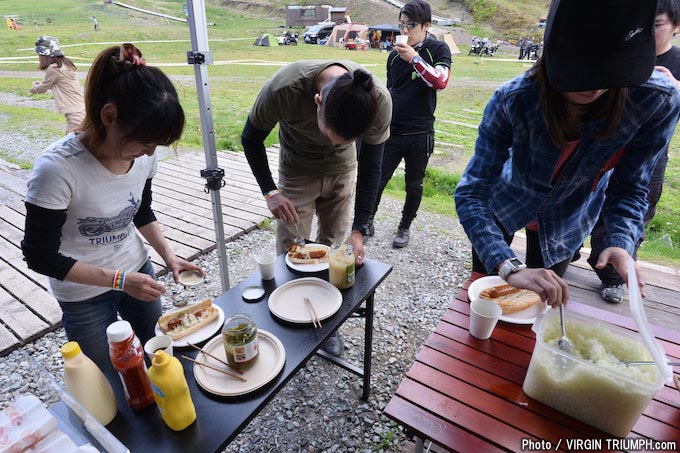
(62, 78)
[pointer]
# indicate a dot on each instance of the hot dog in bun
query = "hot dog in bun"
(510, 299)
(189, 319)
(309, 254)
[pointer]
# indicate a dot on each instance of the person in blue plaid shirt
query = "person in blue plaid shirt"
(555, 140)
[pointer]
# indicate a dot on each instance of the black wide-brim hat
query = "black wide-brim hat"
(599, 44)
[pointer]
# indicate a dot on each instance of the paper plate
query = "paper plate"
(272, 357)
(311, 268)
(527, 316)
(287, 301)
(190, 278)
(201, 334)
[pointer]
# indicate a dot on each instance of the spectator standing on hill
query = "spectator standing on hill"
(322, 108)
(666, 25)
(61, 77)
(577, 134)
(88, 204)
(416, 70)
(95, 22)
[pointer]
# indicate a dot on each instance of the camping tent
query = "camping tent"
(382, 32)
(347, 32)
(446, 36)
(264, 40)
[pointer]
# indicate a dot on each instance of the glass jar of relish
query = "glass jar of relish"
(240, 341)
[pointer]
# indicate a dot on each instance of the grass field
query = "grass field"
(241, 69)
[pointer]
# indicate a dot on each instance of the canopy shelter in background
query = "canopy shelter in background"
(345, 32)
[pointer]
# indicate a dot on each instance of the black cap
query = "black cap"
(599, 44)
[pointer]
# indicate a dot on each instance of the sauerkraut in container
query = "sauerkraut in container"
(593, 385)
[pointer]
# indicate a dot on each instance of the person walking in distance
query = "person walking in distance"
(61, 77)
(666, 25)
(416, 70)
(95, 22)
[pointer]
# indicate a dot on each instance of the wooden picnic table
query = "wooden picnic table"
(465, 394)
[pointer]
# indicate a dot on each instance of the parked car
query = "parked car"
(316, 33)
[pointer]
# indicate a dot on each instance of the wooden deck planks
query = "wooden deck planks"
(182, 208)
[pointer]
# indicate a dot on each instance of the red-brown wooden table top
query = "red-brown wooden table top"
(466, 394)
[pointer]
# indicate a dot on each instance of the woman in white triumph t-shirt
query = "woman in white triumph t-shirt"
(90, 196)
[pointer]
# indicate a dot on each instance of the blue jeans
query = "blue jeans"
(86, 321)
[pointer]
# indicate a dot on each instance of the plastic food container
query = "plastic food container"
(593, 385)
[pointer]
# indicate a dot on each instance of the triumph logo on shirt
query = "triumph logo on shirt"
(103, 231)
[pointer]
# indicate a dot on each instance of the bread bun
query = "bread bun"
(309, 254)
(510, 299)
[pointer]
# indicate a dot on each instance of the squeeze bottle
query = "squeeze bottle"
(127, 357)
(87, 384)
(171, 391)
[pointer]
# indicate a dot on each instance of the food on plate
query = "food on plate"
(309, 254)
(189, 319)
(510, 299)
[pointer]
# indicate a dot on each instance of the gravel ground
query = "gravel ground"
(320, 409)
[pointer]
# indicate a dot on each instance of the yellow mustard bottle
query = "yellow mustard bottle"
(171, 391)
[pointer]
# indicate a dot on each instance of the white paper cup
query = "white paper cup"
(401, 39)
(163, 342)
(484, 314)
(265, 263)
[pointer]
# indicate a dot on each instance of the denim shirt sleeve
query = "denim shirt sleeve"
(475, 190)
(626, 200)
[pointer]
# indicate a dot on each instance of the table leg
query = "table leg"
(368, 346)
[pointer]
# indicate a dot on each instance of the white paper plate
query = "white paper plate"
(272, 357)
(527, 316)
(190, 278)
(312, 268)
(201, 334)
(287, 301)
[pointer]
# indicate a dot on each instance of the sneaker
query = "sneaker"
(612, 293)
(334, 345)
(400, 239)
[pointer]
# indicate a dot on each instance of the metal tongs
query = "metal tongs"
(299, 240)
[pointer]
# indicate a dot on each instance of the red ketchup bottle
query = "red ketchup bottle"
(127, 357)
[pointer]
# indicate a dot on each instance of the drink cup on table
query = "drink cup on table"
(265, 263)
(401, 39)
(159, 342)
(484, 315)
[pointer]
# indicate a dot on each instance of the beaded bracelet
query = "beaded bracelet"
(271, 193)
(119, 280)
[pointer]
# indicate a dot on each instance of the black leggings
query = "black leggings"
(534, 259)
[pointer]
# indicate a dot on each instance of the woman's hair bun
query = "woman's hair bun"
(363, 78)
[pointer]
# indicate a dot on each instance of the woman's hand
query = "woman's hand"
(282, 208)
(618, 257)
(177, 265)
(142, 286)
(546, 283)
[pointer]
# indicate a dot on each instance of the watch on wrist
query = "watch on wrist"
(415, 59)
(507, 267)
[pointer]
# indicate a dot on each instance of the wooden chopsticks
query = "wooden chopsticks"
(214, 357)
(213, 368)
(315, 319)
